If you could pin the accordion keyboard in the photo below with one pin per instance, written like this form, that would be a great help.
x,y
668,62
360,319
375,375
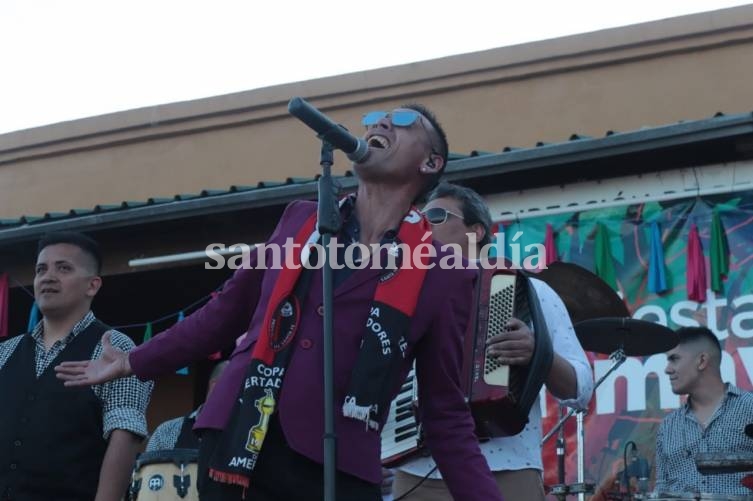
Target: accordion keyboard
x,y
501,308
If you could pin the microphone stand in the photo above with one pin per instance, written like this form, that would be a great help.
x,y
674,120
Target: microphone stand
x,y
332,136
561,453
328,224
560,490
618,357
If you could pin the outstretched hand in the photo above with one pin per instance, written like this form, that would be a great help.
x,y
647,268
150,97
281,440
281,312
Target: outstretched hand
x,y
112,364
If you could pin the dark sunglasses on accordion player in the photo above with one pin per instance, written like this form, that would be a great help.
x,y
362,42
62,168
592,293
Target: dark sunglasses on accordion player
x,y
439,215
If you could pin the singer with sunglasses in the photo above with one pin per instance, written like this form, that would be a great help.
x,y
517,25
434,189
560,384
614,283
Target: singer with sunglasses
x,y
460,218
262,425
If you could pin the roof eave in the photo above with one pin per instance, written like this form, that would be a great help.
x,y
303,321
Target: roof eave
x,y
572,152
581,150
167,211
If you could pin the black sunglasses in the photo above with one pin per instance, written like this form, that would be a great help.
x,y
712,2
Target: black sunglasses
x,y
438,215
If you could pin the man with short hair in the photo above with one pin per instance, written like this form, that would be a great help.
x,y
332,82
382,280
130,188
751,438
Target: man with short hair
x,y
269,446
178,433
66,444
712,419
461,219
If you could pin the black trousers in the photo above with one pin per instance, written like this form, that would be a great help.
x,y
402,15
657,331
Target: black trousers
x,y
281,474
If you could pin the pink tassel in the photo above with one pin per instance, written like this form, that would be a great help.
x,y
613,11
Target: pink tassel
x,y
4,293
696,274
549,247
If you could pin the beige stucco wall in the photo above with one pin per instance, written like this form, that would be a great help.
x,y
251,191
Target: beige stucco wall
x,y
621,79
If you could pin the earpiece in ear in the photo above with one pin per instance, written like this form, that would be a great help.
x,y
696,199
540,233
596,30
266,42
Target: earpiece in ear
x,y
430,163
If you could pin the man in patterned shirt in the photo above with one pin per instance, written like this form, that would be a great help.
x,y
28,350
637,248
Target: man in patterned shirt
x,y
712,419
56,442
178,433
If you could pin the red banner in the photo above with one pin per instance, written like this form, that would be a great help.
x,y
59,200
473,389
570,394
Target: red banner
x,y
4,305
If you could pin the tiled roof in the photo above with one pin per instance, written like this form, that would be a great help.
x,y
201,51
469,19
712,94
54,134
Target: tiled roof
x,y
150,202
461,166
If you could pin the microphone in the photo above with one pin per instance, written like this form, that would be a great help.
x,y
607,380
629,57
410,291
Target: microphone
x,y
638,469
644,472
627,471
338,136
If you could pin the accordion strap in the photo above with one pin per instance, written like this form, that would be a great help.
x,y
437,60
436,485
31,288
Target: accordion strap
x,y
543,353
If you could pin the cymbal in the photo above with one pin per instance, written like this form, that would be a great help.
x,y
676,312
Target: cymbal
x,y
585,295
634,337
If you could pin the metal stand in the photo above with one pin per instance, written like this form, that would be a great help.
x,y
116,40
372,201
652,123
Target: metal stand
x,y
328,225
581,457
580,488
561,489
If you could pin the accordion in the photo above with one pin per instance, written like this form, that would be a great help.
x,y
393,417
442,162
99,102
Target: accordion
x,y
500,396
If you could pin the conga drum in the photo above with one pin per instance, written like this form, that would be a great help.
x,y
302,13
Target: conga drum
x,y
166,475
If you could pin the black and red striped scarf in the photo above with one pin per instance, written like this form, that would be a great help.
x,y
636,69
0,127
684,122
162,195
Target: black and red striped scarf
x,y
377,365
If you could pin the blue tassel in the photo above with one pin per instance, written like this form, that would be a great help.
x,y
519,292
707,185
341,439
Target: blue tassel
x,y
657,277
33,317
184,370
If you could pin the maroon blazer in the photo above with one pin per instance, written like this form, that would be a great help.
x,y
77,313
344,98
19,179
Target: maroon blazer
x,y
435,341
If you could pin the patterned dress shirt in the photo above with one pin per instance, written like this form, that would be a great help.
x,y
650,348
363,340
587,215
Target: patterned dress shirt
x,y
124,400
681,437
166,435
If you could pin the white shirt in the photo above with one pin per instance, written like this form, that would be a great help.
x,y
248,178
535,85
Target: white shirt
x,y
523,450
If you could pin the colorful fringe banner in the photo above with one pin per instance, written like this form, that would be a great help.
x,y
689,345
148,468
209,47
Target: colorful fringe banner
x,y
4,292
604,263
696,274
33,317
184,370
549,246
718,253
657,276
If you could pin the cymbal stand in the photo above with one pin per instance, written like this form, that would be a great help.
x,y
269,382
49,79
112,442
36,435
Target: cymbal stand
x,y
560,489
618,357
581,488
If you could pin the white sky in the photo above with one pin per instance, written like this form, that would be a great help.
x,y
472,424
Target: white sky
x,y
67,59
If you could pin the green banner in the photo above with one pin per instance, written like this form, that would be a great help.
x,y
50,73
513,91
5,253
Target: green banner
x,y
666,273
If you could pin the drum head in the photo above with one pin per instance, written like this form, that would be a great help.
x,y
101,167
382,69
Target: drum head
x,y
175,456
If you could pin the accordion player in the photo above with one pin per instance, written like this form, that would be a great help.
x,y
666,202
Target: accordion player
x,y
500,396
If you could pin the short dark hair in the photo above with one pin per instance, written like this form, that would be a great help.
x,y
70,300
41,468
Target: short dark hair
x,y
440,135
87,244
693,334
474,209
